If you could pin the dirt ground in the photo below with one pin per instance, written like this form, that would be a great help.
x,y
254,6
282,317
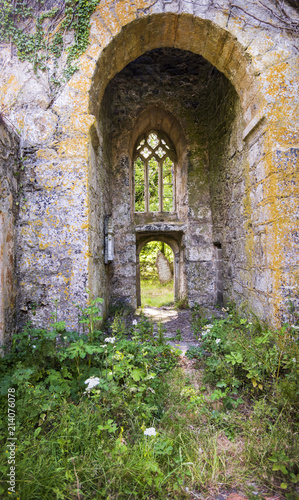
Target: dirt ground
x,y
176,321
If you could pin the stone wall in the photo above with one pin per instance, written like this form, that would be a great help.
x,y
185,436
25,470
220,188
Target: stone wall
x,y
208,109
69,163
9,172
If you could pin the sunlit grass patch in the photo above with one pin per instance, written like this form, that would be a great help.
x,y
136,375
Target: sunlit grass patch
x,y
154,294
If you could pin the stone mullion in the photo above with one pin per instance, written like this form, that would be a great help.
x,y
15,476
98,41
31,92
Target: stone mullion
x,y
174,169
146,187
160,163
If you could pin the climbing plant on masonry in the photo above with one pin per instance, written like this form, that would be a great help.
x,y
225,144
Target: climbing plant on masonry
x,y
50,39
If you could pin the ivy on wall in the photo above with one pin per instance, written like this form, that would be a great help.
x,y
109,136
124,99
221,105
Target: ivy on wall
x,y
51,39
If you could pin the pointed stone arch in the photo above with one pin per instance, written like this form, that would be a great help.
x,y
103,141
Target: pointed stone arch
x,y
157,118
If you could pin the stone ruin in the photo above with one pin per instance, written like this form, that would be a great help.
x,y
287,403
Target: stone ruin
x,y
163,268
219,85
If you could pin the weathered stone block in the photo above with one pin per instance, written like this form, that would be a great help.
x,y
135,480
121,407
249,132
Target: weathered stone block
x,y
163,268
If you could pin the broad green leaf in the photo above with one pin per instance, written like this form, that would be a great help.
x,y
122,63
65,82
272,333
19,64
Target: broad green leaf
x,y
136,374
37,431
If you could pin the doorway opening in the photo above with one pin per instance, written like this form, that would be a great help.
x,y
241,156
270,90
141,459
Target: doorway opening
x,y
156,274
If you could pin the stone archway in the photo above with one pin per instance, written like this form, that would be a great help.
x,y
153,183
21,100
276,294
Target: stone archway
x,y
131,42
262,69
252,79
217,45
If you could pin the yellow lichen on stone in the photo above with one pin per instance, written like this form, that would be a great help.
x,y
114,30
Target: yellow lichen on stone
x,y
9,91
80,82
109,19
87,65
76,147
125,11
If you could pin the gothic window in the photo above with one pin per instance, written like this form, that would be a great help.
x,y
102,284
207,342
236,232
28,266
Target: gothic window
x,y
154,173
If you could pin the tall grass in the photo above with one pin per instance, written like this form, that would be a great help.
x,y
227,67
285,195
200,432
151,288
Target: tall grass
x,y
211,433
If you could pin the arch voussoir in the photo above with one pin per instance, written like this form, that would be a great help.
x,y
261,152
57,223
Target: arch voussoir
x,y
185,32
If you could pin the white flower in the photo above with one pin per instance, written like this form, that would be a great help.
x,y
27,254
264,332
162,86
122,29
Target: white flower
x,y
208,327
295,326
294,360
151,431
92,382
217,341
134,322
34,346
200,450
110,339
65,338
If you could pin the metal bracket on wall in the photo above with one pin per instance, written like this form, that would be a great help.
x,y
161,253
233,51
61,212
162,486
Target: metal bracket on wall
x,y
108,239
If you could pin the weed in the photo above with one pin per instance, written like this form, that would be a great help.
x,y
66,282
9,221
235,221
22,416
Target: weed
x,y
106,415
182,303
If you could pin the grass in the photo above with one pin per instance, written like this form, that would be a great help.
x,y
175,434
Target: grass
x,y
196,450
154,294
223,450
215,428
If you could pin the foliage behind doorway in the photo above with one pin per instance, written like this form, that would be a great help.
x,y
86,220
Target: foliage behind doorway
x,y
153,293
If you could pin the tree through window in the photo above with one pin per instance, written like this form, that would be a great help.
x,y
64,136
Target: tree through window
x,y
154,173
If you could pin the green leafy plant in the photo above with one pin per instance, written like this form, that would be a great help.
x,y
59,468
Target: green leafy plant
x,y
113,417
45,42
91,316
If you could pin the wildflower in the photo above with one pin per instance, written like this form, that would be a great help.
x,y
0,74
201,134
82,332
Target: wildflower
x,y
110,339
294,360
34,346
295,326
217,341
92,382
151,431
134,322
65,338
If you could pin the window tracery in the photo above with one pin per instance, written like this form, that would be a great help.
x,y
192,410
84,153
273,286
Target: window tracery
x,y
154,173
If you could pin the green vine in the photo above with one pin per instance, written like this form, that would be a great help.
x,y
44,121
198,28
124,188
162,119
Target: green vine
x,y
51,40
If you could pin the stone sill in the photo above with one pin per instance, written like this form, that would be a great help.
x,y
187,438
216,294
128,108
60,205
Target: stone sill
x,y
160,227
153,217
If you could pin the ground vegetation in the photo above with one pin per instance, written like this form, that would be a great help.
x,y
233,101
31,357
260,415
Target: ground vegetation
x,y
119,414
